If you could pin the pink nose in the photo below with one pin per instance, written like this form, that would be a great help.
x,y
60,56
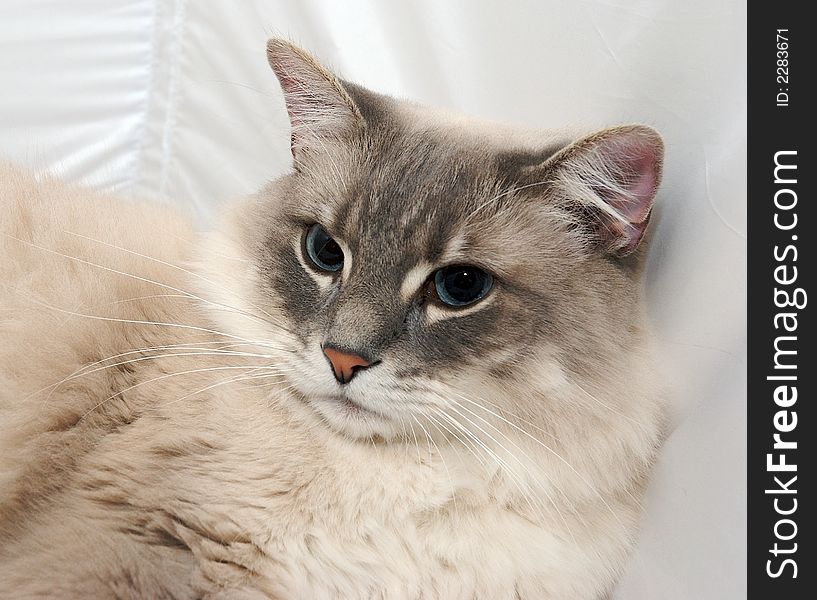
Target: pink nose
x,y
344,364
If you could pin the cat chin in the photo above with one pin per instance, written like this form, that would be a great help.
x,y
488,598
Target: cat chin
x,y
351,419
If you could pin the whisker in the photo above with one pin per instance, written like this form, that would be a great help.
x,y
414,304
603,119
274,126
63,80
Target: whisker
x,y
416,443
524,466
243,377
404,438
445,466
184,346
161,377
550,480
139,298
214,352
501,464
183,270
501,409
156,323
581,477
465,442
137,277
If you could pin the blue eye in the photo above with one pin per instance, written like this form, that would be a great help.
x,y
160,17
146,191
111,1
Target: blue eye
x,y
322,250
460,285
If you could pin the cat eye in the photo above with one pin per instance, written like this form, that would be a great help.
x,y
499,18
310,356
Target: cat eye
x,y
322,250
460,285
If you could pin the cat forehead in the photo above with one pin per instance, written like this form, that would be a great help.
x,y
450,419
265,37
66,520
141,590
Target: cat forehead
x,y
437,141
418,176
418,200
459,127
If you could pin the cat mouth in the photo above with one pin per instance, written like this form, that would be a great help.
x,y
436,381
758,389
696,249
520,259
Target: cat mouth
x,y
349,407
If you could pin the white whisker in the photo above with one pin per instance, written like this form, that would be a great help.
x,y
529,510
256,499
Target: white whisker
x,y
559,457
242,377
161,377
144,322
139,278
445,466
183,270
520,484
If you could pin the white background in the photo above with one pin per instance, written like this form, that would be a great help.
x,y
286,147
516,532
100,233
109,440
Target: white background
x,y
173,99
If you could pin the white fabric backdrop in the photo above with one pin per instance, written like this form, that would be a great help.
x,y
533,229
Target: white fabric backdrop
x,y
173,99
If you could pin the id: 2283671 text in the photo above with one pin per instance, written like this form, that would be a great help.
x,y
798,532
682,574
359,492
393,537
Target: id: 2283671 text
x,y
782,67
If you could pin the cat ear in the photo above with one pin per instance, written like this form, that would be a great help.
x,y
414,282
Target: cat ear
x,y
318,106
610,178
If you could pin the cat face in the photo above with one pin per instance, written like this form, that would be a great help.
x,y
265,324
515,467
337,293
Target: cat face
x,y
419,264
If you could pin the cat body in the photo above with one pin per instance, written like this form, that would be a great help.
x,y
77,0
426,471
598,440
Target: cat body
x,y
170,426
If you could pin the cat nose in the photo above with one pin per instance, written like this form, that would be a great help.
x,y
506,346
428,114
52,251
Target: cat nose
x,y
345,364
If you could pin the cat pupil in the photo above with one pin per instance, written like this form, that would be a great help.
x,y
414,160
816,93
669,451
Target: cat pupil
x,y
463,282
324,252
461,285
331,252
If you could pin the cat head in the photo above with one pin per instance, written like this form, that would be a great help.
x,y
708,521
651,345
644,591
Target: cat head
x,y
412,263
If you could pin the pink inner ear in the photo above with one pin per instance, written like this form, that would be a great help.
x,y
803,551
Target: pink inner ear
x,y
317,105
636,162
641,188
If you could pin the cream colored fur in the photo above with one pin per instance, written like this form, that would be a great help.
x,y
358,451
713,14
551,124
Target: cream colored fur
x,y
195,486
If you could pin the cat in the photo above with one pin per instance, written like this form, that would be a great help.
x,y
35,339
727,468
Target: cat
x,y
414,367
